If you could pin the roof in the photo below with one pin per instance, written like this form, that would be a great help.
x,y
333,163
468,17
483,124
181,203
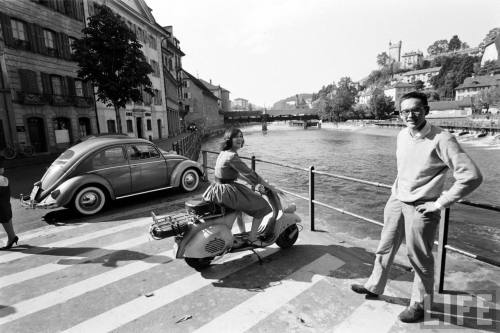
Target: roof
x,y
480,81
211,86
199,84
450,105
422,71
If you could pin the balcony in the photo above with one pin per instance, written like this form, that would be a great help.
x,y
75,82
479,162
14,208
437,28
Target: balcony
x,y
30,98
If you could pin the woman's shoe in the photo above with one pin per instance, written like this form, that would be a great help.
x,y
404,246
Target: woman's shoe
x,y
9,244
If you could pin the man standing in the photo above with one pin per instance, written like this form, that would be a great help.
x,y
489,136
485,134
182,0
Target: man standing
x,y
424,154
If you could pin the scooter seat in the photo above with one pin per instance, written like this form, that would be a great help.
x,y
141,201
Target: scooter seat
x,y
206,208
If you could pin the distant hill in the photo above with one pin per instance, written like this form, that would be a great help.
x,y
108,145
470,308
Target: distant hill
x,y
292,102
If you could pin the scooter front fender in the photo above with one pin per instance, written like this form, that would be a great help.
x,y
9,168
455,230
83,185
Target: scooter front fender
x,y
286,220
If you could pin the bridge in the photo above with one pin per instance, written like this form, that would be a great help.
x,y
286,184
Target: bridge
x,y
270,115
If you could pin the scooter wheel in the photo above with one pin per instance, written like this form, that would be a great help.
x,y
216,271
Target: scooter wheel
x,y
288,237
199,263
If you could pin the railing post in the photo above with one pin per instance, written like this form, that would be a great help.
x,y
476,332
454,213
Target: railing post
x,y
205,164
311,196
253,163
443,240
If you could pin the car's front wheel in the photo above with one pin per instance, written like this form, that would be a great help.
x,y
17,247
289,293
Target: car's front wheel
x,y
89,200
190,180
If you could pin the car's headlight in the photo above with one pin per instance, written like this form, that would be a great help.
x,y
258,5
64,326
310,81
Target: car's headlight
x,y
55,194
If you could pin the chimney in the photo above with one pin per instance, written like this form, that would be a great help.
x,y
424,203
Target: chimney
x,y
210,81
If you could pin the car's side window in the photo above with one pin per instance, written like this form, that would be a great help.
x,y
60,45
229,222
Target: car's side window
x,y
142,152
107,157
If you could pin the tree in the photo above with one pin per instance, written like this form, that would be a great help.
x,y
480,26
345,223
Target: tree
x,y
383,59
110,56
452,73
381,106
419,85
438,47
454,44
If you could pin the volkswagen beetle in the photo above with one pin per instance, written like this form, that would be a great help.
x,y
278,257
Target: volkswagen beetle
x,y
88,175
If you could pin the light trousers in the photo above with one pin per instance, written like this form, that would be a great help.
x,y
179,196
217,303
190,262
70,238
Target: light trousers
x,y
402,221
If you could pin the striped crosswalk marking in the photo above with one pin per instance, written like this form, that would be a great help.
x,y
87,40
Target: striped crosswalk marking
x,y
242,317
74,240
139,307
62,295
54,267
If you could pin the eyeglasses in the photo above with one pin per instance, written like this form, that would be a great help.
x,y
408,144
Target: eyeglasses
x,y
412,111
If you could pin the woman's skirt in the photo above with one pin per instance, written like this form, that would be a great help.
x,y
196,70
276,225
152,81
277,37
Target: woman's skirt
x,y
238,197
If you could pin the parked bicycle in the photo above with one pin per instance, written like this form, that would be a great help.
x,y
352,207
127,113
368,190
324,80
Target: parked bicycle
x,y
10,152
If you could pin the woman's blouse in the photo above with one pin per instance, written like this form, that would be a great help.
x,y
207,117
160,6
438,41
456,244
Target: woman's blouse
x,y
229,166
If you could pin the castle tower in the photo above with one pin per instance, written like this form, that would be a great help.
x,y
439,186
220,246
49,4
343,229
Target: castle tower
x,y
395,51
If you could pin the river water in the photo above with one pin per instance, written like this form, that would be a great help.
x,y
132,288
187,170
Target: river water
x,y
368,153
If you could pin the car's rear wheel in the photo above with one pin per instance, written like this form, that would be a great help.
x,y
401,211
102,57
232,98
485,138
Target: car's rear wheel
x,y
190,180
89,200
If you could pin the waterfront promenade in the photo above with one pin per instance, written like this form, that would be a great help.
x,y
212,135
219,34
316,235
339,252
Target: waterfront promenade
x,y
108,275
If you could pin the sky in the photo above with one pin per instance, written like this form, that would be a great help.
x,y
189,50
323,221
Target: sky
x,y
268,50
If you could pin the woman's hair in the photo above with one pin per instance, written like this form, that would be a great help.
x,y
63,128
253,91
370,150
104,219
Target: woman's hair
x,y
227,141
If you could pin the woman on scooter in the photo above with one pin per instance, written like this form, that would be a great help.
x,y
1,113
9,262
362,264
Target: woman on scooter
x,y
226,191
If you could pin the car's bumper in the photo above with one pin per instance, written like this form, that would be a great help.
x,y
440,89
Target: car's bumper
x,y
47,203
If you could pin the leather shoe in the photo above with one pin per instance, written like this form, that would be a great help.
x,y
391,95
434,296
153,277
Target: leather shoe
x,y
360,289
412,314
10,243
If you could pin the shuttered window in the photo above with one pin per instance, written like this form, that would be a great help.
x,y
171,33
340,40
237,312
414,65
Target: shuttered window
x,y
49,38
29,82
79,88
56,83
18,29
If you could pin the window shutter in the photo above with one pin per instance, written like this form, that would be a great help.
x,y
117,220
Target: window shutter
x,y
7,29
40,41
58,45
88,89
46,84
29,82
24,78
64,86
64,43
71,86
32,37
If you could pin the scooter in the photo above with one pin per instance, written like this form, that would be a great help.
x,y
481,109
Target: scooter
x,y
204,231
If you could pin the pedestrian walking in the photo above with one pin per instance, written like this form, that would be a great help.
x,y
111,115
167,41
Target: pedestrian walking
x,y
424,154
5,208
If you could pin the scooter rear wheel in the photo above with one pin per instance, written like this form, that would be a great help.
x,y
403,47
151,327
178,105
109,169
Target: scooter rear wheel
x,y
288,237
199,263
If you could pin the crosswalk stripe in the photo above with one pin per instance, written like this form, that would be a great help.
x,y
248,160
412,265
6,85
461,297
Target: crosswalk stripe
x,y
74,240
378,315
45,231
247,314
141,306
62,295
54,267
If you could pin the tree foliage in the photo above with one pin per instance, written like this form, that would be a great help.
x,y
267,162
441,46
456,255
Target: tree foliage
x,y
381,106
438,47
383,59
110,56
336,104
454,44
453,72
419,85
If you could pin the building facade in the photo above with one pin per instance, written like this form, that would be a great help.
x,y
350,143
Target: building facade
x,y
423,75
239,104
44,104
172,76
201,105
473,86
397,90
147,119
411,59
221,93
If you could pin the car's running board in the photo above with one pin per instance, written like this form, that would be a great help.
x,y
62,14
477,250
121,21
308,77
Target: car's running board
x,y
134,194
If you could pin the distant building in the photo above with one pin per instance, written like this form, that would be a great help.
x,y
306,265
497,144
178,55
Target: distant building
x,y
43,103
397,90
474,85
364,96
201,105
395,51
450,109
423,75
240,104
221,93
411,59
172,68
145,119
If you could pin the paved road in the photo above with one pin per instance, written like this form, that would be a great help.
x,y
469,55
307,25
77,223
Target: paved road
x,y
106,274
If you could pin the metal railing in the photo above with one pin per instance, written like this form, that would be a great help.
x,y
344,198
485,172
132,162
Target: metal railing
x,y
442,242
